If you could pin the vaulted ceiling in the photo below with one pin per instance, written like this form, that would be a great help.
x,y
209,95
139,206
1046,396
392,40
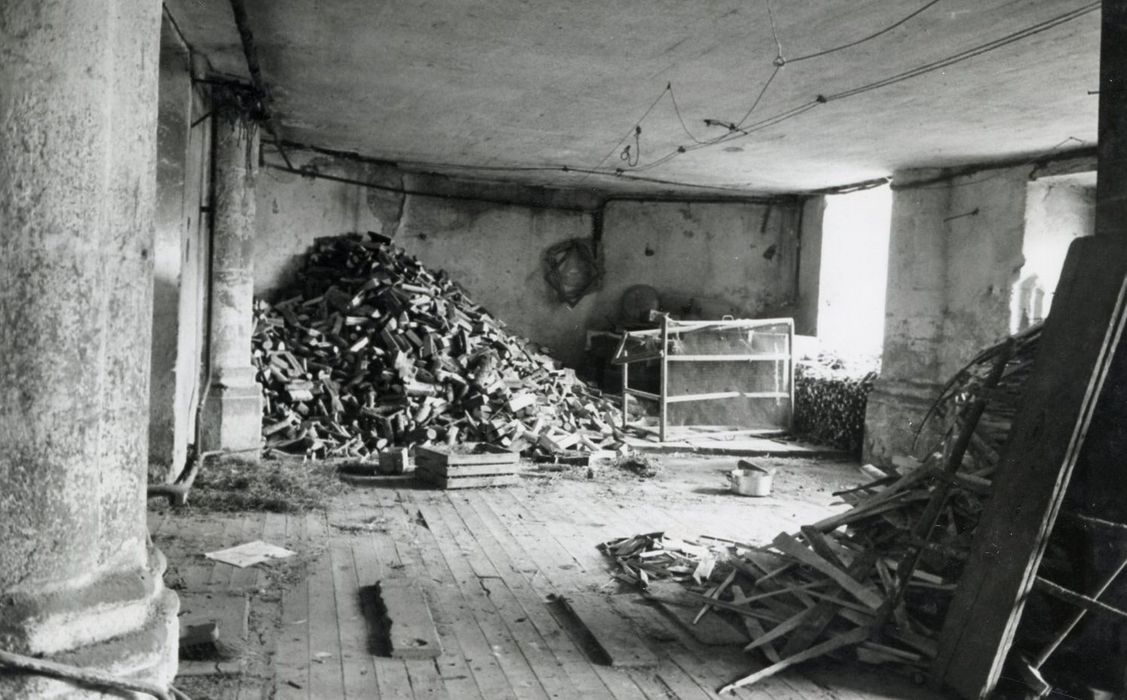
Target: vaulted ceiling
x,y
517,90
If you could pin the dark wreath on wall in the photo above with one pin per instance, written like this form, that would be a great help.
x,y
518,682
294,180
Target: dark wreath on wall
x,y
572,269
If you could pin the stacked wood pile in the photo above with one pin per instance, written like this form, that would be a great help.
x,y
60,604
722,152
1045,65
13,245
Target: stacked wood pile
x,y
829,404
877,578
373,350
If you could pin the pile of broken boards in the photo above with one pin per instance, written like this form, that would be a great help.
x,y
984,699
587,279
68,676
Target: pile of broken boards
x,y
373,350
877,578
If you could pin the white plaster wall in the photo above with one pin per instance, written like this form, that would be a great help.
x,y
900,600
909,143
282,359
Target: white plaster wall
x,y
1057,212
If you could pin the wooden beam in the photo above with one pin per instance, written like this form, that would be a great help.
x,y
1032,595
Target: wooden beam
x,y
1111,184
1080,339
1080,600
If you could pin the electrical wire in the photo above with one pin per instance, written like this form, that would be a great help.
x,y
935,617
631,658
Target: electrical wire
x,y
779,60
889,28
632,160
969,53
677,111
759,97
734,133
637,123
738,131
743,193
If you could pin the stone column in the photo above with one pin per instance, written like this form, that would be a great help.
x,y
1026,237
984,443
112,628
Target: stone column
x,y
233,412
79,581
915,302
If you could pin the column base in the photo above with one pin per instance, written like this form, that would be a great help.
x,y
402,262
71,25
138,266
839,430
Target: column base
x,y
893,414
122,624
232,417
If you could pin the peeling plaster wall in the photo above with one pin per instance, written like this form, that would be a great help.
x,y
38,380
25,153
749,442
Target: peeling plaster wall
x,y
725,258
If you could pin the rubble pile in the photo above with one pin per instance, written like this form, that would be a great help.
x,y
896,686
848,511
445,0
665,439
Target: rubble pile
x,y
373,350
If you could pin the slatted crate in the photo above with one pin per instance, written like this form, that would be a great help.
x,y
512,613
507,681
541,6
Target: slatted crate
x,y
470,465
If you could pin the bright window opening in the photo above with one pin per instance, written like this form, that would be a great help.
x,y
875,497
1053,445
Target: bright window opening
x,y
854,276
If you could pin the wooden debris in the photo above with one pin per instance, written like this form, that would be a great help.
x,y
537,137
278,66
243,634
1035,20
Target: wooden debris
x,y
372,350
877,578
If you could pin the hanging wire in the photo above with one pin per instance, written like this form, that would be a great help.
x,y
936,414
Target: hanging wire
x,y
969,53
626,156
637,123
677,111
740,131
759,97
779,60
862,40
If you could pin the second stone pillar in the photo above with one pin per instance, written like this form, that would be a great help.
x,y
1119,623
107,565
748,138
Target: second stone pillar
x,y
233,411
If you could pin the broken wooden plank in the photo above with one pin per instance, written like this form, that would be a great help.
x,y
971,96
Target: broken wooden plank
x,y
1080,600
826,610
842,640
792,547
755,629
614,635
412,633
710,630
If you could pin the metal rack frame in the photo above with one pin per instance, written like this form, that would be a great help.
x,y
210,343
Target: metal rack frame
x,y
670,327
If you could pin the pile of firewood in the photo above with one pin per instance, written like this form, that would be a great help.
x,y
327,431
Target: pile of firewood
x,y
877,578
373,350
829,404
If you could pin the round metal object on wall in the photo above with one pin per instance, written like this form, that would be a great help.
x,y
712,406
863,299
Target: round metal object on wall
x,y
637,303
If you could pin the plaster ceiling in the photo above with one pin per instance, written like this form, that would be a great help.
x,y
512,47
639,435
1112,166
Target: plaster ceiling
x,y
515,89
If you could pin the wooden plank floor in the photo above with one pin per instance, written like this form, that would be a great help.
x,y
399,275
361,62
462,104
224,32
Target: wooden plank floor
x,y
493,565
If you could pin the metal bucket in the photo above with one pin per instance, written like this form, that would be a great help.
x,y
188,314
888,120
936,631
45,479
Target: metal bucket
x,y
751,482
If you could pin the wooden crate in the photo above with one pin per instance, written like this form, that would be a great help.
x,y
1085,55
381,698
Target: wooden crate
x,y
470,465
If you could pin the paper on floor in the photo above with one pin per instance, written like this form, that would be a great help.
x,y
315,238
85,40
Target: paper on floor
x,y
249,554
